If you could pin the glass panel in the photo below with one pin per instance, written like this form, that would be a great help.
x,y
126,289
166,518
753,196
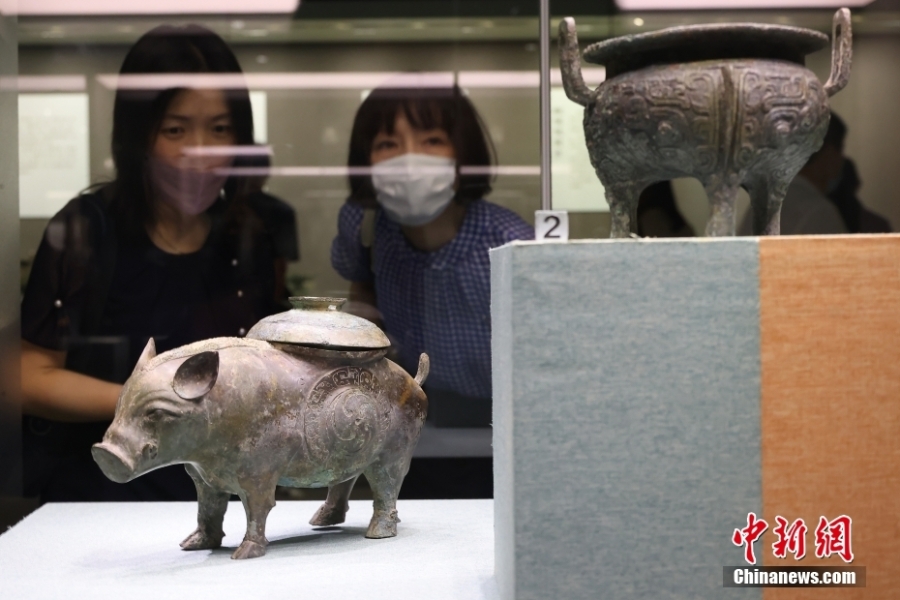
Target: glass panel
x,y
10,416
389,151
188,224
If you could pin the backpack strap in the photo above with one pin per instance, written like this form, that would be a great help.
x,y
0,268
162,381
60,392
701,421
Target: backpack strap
x,y
367,234
105,257
100,274
367,229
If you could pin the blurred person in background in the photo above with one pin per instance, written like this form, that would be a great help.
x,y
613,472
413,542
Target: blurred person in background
x,y
822,198
169,250
413,240
857,218
806,208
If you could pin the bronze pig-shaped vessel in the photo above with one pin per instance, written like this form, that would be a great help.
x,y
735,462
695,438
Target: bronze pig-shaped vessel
x,y
313,404
729,104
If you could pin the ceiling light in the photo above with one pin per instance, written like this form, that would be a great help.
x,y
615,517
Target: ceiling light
x,y
157,7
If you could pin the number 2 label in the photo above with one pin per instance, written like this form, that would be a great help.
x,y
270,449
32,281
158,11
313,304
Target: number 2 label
x,y
551,225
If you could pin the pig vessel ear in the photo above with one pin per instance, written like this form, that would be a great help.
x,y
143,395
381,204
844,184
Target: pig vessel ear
x,y
196,376
148,353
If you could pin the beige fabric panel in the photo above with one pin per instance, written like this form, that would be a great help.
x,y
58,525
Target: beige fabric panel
x,y
830,344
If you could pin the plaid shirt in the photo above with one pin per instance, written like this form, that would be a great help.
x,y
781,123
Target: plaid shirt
x,y
435,302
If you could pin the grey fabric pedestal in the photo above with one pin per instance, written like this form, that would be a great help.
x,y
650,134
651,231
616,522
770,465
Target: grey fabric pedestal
x,y
626,416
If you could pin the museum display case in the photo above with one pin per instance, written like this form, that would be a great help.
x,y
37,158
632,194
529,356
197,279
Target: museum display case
x,y
606,417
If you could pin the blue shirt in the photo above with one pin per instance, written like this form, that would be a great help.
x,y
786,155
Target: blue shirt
x,y
434,302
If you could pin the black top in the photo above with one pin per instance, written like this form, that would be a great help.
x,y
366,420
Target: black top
x,y
857,217
280,223
100,297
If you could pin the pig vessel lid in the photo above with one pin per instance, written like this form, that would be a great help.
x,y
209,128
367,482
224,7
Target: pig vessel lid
x,y
319,322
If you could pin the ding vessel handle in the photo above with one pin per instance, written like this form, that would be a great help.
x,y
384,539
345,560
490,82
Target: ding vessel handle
x,y
570,64
841,52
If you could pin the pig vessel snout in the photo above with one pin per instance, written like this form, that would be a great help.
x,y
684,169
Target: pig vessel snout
x,y
245,416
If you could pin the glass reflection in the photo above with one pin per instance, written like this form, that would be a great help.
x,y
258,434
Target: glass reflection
x,y
413,238
176,248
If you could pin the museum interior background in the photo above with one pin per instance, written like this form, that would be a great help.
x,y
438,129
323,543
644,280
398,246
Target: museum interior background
x,y
495,59
309,72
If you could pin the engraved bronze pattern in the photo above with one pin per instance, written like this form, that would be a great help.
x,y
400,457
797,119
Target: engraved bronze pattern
x,y
347,412
729,122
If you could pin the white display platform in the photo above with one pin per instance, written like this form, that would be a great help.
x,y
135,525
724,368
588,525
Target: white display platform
x,y
444,550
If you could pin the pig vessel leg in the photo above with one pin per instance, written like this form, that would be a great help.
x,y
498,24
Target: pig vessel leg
x,y
385,480
211,507
258,498
334,510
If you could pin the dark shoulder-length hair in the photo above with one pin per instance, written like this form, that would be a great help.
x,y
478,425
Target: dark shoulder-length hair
x,y
141,104
425,108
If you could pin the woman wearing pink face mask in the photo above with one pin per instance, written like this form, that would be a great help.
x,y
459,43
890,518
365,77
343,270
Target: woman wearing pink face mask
x,y
171,249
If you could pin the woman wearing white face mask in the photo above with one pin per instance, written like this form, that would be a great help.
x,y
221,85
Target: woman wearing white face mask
x,y
414,237
169,250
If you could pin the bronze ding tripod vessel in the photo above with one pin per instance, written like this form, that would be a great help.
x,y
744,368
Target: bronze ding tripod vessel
x,y
730,104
